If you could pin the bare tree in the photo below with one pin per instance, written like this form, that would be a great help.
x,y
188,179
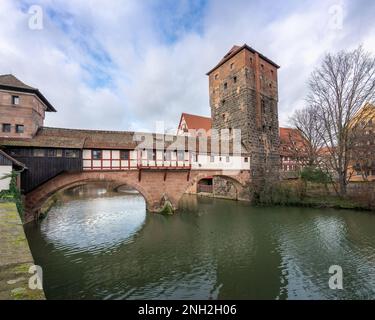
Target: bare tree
x,y
307,147
338,89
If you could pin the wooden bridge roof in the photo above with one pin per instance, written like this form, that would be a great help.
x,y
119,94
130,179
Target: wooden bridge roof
x,y
97,139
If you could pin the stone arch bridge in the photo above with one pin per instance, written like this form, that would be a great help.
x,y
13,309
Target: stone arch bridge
x,y
155,186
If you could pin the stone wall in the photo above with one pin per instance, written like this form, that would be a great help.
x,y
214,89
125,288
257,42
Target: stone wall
x,y
15,258
222,188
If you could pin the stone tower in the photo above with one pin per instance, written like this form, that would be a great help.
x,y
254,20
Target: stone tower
x,y
22,108
244,95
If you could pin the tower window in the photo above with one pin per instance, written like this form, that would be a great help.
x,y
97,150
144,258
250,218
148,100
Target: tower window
x,y
19,128
263,106
225,85
6,127
15,100
235,79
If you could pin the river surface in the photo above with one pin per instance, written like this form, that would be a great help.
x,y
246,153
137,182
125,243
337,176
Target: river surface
x,y
107,247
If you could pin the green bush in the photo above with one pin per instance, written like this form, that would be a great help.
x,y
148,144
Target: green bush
x,y
13,193
315,175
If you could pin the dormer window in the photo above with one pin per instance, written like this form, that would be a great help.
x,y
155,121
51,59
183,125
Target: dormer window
x,y
15,100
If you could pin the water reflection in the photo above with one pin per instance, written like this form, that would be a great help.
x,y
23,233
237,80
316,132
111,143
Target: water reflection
x,y
108,248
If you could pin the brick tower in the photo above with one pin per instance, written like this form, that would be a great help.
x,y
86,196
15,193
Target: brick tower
x,y
244,95
22,108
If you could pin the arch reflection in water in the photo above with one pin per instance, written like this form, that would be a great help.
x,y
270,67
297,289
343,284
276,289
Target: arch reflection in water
x,y
105,221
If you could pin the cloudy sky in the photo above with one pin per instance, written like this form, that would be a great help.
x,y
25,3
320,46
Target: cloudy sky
x,y
124,64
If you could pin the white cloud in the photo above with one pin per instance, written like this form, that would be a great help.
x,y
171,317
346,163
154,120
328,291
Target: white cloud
x,y
152,79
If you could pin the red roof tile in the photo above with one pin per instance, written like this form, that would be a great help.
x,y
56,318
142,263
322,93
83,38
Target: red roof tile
x,y
195,122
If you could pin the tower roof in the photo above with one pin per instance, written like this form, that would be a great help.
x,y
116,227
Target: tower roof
x,y
236,49
10,83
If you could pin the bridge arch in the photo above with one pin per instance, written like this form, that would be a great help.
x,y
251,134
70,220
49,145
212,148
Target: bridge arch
x,y
240,184
36,198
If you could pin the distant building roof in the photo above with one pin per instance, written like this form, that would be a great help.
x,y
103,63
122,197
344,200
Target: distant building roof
x,y
12,160
195,122
291,140
236,49
11,83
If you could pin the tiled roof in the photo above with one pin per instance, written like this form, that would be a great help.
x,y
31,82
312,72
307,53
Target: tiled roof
x,y
11,83
196,122
288,137
97,139
236,49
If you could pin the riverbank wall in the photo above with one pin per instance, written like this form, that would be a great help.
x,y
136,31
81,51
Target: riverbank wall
x,y
15,258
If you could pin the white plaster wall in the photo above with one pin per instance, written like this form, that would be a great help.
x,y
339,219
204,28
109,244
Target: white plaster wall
x,y
4,183
220,163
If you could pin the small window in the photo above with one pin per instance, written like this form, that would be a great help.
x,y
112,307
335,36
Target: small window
x,y
246,159
15,100
251,60
231,65
225,85
167,156
75,153
151,155
39,153
227,159
96,154
216,76
180,155
272,72
124,154
212,158
6,127
235,79
17,152
262,66
59,153
19,128
51,153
